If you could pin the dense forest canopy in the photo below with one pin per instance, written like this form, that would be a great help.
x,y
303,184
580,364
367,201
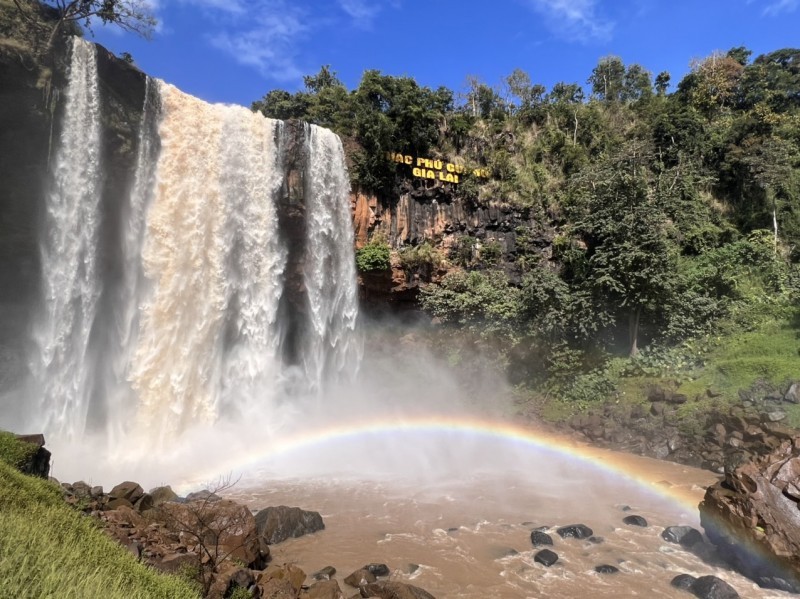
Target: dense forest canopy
x,y
673,211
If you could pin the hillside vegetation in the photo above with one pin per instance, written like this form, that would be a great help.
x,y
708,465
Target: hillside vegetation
x,y
48,549
670,214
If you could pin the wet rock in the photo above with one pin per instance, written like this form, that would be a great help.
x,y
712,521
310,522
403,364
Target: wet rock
x,y
539,538
394,590
685,536
683,581
276,524
377,569
129,490
360,577
711,587
325,573
575,531
756,505
411,568
546,557
635,521
606,569
325,589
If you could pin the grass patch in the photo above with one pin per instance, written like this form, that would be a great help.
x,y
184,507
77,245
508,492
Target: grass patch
x,y
13,451
49,550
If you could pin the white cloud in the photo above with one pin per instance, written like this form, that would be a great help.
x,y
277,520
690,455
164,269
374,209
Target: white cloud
x,y
361,11
780,6
576,20
268,43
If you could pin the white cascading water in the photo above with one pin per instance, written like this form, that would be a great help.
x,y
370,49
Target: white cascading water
x,y
196,328
70,283
330,272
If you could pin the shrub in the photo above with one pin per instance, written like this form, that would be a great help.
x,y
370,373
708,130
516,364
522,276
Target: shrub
x,y
374,256
420,259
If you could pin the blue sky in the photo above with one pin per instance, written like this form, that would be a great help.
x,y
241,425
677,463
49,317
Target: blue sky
x,y
237,50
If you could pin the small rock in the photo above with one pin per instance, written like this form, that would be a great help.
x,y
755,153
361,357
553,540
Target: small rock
x,y
575,531
546,557
324,589
539,538
635,521
325,574
377,569
411,568
776,415
606,569
685,536
683,581
711,587
793,394
359,578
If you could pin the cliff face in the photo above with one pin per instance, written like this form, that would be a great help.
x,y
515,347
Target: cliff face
x,y
438,217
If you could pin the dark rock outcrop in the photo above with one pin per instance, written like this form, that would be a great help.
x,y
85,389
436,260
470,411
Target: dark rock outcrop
x,y
546,557
606,569
685,536
683,581
539,538
276,524
753,517
711,587
38,463
575,531
635,521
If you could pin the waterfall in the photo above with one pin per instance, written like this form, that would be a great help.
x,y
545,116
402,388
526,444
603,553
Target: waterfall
x,y
63,367
330,272
195,325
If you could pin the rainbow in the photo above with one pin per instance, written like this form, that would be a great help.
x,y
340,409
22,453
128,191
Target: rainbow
x,y
642,472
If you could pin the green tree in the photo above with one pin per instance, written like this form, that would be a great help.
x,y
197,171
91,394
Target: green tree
x,y
131,15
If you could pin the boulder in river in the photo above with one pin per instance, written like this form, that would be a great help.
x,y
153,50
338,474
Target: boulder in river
x,y
752,517
546,557
276,524
575,531
685,536
711,587
683,581
635,521
606,569
539,538
394,590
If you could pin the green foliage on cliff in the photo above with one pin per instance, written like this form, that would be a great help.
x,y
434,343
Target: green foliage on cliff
x,y
672,214
49,550
374,256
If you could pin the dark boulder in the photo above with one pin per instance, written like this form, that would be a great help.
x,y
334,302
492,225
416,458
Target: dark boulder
x,y
635,521
129,491
163,494
240,579
606,569
276,524
546,557
539,538
575,531
756,507
711,587
685,536
377,569
683,581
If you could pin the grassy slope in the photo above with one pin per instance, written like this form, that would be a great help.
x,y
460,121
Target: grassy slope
x,y
47,549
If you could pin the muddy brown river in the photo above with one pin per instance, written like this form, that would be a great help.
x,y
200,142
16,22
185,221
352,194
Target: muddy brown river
x,y
451,508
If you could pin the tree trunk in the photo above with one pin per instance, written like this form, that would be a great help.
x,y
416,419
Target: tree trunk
x,y
775,226
633,331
